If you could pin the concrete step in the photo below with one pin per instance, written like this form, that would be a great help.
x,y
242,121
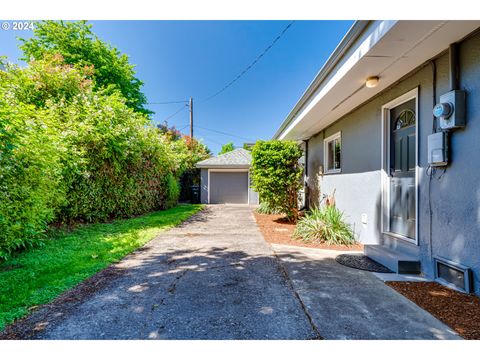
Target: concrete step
x,y
396,261
400,246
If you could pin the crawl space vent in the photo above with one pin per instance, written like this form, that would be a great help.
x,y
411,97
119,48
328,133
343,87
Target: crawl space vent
x,y
453,275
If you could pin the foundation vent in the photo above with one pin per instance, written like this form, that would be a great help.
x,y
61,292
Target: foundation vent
x,y
453,275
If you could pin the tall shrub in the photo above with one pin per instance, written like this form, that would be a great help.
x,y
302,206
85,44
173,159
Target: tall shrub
x,y
116,162
71,153
276,174
31,189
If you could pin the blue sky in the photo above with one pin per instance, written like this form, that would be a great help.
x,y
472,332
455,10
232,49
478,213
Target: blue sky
x,y
182,59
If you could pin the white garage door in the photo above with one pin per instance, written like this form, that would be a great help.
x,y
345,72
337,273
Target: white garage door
x,y
229,187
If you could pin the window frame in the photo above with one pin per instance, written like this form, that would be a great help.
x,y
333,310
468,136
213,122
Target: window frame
x,y
337,136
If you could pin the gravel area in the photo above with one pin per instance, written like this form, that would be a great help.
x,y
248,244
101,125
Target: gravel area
x,y
276,230
361,262
459,311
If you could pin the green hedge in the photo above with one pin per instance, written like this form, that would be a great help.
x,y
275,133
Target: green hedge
x,y
70,153
31,190
276,175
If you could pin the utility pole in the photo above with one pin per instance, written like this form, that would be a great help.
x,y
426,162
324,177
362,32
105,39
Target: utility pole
x,y
191,118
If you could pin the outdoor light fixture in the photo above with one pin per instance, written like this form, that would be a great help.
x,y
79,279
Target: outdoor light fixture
x,y
371,82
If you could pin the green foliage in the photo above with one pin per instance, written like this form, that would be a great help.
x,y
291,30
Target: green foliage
x,y
248,146
169,131
265,208
227,148
276,174
325,225
31,190
188,152
117,164
67,258
69,153
172,191
79,46
30,177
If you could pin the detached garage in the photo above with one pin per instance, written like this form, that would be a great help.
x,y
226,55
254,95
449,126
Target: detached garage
x,y
225,179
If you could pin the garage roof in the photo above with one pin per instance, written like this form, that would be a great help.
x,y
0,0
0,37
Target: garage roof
x,y
236,159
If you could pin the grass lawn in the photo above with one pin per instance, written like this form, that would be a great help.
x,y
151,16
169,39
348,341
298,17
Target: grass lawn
x,y
39,275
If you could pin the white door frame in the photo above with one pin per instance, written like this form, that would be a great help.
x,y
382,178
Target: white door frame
x,y
230,170
385,194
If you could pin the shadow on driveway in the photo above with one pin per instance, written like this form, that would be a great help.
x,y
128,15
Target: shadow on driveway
x,y
213,277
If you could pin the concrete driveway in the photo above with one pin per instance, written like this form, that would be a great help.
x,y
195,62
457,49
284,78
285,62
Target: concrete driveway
x,y
214,277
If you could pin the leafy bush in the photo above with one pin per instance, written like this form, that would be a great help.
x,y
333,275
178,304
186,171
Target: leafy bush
x,y
76,143
172,191
70,153
116,162
30,179
276,174
324,225
265,208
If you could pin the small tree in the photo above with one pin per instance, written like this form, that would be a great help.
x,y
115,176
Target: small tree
x,y
78,45
227,148
276,174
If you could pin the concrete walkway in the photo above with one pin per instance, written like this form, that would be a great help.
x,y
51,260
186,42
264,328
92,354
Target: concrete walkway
x,y
346,303
214,277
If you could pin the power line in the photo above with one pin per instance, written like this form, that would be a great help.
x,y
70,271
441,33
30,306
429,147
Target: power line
x,y
252,64
176,112
211,140
168,102
224,133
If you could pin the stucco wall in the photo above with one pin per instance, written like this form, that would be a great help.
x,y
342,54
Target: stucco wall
x,y
455,195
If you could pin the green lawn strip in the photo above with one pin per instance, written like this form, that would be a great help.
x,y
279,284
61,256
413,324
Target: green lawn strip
x,y
39,275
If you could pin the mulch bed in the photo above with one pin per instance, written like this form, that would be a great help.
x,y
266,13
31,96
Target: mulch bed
x,y
459,311
276,230
361,262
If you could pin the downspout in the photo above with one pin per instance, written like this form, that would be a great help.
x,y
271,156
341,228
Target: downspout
x,y
430,175
453,66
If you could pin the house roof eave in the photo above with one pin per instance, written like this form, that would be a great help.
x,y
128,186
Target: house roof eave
x,y
353,33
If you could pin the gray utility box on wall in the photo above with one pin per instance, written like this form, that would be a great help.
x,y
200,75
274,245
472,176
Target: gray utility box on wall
x,y
451,110
438,149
